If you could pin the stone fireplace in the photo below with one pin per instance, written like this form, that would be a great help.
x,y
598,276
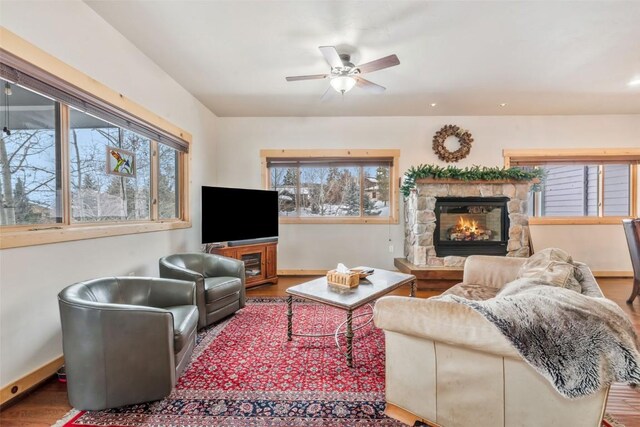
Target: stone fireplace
x,y
447,220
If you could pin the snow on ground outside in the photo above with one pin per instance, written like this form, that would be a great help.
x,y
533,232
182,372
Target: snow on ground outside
x,y
338,210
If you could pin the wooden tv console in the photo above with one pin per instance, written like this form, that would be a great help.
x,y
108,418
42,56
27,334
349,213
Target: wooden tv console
x,y
260,261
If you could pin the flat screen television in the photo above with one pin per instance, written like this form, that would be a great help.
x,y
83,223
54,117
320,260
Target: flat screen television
x,y
237,215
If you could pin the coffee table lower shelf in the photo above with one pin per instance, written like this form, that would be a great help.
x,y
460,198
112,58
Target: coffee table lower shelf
x,y
348,331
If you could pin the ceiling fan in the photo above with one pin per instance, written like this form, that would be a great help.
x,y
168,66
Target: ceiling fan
x,y
344,75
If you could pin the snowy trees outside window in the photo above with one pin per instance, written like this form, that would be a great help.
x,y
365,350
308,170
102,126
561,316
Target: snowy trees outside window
x,y
53,155
332,189
28,162
168,202
96,195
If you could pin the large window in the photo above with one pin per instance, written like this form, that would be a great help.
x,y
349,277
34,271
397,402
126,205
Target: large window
x,y
581,185
334,186
69,160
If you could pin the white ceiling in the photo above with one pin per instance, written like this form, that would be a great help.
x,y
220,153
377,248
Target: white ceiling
x,y
539,57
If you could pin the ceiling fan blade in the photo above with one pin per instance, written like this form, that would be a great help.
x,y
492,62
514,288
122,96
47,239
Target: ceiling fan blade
x,y
331,56
369,86
379,64
310,77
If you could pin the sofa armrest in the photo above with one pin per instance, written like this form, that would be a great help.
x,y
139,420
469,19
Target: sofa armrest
x,y
493,271
441,321
588,282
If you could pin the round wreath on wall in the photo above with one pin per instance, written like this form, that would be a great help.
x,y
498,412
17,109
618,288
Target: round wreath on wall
x,y
464,138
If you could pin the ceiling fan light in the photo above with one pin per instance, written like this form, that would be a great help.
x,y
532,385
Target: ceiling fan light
x,y
343,84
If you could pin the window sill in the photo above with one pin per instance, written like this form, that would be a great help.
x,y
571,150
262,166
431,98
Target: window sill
x,y
17,238
576,220
340,220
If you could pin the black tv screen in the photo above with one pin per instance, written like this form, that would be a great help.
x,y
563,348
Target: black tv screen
x,y
230,214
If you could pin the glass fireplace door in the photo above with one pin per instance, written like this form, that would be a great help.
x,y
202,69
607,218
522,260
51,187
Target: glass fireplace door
x,y
468,226
471,223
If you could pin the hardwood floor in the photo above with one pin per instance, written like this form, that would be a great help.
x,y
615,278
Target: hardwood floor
x,y
48,403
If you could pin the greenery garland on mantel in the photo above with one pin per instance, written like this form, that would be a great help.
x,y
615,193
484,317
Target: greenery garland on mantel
x,y
474,173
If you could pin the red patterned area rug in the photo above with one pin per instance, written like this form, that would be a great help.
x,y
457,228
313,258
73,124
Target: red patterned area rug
x,y
244,372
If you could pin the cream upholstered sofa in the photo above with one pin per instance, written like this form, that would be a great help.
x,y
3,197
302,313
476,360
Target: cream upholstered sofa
x,y
446,365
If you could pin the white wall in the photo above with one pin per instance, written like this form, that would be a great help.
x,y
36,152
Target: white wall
x,y
31,277
603,247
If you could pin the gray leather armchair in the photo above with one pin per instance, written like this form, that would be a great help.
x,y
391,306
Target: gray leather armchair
x,y
220,282
126,339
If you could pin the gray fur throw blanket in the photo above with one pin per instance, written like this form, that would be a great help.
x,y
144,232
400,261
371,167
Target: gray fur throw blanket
x,y
579,343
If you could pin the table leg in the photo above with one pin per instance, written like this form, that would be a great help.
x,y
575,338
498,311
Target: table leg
x,y
349,336
289,317
412,289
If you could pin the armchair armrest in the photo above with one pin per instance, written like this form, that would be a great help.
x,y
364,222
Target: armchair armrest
x,y
167,292
218,265
441,321
172,271
492,271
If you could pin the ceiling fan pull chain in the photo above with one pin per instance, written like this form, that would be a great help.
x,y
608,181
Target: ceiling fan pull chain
x,y
7,91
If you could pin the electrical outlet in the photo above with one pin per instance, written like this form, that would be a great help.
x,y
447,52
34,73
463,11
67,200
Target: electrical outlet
x,y
390,248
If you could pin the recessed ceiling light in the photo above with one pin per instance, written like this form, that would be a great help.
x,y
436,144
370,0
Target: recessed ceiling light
x,y
433,104
504,104
634,82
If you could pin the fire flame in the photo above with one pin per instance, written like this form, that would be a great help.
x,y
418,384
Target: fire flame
x,y
468,229
470,225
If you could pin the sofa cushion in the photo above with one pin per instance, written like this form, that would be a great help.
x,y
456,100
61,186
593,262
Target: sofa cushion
x,y
472,292
216,288
552,265
185,321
